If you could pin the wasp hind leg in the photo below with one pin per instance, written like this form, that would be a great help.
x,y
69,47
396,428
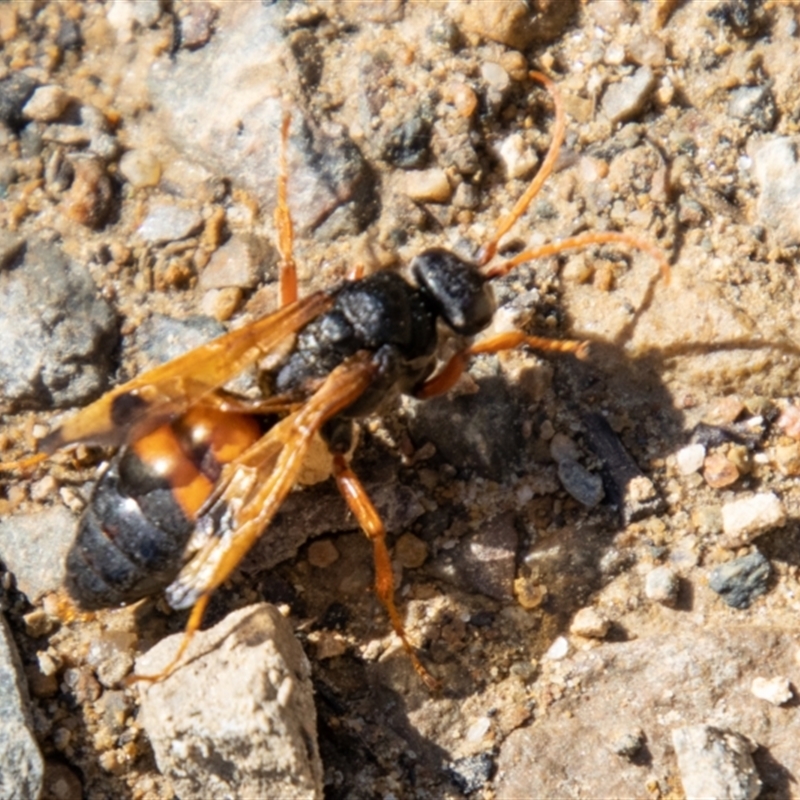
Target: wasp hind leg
x,y
368,518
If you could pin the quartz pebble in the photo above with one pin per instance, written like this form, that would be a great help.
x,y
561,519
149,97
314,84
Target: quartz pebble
x,y
745,519
661,586
690,458
427,186
774,690
46,104
628,98
590,624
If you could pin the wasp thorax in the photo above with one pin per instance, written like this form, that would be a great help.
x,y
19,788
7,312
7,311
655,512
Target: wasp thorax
x,y
459,293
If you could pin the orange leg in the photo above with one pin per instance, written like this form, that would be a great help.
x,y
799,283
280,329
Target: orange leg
x,y
283,223
193,625
354,493
445,379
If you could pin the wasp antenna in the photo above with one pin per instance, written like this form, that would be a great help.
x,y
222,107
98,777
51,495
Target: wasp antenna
x,y
581,241
490,248
283,220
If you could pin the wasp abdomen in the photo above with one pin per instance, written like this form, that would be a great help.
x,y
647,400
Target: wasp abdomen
x,y
132,537
120,553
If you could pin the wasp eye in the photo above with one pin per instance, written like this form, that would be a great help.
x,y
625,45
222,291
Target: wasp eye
x,y
460,294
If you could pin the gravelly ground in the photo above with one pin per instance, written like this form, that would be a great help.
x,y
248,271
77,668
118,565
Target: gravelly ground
x,y
683,119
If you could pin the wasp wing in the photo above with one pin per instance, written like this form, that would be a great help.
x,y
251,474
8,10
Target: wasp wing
x,y
164,392
252,488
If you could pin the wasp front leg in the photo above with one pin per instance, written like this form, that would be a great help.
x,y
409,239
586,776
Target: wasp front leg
x,y
371,523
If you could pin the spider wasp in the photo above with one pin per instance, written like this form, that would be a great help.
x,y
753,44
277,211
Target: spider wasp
x,y
196,480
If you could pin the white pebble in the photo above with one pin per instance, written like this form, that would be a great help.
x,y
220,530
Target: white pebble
x,y
774,690
558,649
427,185
743,520
590,624
517,158
661,586
690,458
46,104
140,168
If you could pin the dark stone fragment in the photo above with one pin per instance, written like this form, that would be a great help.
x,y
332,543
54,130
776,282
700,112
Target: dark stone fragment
x,y
740,581
407,145
69,35
471,773
15,91
622,478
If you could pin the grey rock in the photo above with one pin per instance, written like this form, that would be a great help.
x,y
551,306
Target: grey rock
x,y
584,486
628,98
471,773
688,676
777,173
715,763
481,431
486,560
661,586
254,736
15,91
238,133
56,334
755,105
241,262
166,222
160,338
21,763
740,581
34,548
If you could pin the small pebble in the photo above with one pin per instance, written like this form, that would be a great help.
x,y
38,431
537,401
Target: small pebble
x,y
237,263
590,624
584,486
46,104
627,99
410,551
745,519
166,222
789,421
741,581
690,458
774,690
628,744
427,185
661,586
725,411
197,25
322,553
787,458
562,448
517,158
495,76
719,472
89,198
558,650
140,168
221,303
